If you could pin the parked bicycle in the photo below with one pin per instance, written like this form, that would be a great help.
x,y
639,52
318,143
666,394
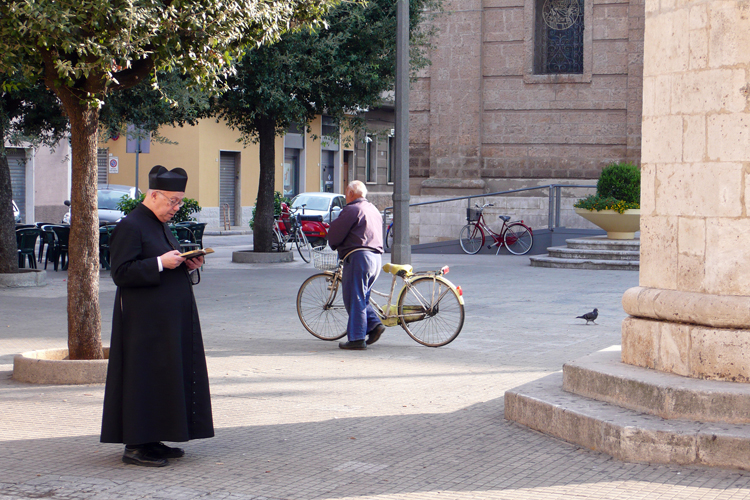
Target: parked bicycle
x,y
516,236
288,232
427,306
388,240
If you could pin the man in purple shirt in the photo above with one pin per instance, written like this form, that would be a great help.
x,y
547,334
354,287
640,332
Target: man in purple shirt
x,y
357,235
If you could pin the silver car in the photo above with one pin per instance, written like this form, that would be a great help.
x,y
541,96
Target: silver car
x,y
108,196
328,205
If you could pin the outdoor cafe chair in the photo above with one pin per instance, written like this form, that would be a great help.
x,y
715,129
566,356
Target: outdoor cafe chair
x,y
186,238
63,235
26,241
197,229
49,239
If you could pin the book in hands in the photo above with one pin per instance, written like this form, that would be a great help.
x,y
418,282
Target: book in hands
x,y
196,253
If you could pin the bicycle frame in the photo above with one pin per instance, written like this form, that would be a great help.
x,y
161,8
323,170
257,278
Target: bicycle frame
x,y
498,237
389,312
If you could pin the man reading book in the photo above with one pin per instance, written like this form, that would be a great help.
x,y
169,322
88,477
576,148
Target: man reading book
x,y
157,381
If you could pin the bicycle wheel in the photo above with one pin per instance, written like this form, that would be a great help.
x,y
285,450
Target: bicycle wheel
x,y
471,238
320,307
277,244
430,311
389,237
303,246
518,238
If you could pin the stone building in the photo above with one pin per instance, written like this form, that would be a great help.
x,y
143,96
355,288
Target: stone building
x,y
523,93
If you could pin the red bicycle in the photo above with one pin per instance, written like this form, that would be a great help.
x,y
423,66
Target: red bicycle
x,y
516,236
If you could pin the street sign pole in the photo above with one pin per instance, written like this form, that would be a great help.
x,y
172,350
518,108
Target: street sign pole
x,y
401,252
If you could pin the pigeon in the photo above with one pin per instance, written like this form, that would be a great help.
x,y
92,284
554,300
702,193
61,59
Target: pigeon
x,y
590,316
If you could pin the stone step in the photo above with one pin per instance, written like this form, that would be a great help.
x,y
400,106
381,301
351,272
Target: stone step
x,y
596,254
602,243
602,376
597,264
625,434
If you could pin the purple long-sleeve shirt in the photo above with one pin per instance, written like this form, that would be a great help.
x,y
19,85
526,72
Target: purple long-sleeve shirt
x,y
359,225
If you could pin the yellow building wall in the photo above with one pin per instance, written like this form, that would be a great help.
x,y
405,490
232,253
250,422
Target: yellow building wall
x,y
197,149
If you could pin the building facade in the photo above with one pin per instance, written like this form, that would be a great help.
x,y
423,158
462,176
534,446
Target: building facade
x,y
524,93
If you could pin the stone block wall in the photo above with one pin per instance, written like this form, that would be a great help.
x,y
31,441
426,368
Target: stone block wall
x,y
694,203
479,112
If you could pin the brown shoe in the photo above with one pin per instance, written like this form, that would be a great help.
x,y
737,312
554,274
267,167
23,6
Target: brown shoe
x,y
374,334
143,456
161,450
356,345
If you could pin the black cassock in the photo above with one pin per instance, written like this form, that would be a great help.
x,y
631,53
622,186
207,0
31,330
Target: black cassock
x,y
157,381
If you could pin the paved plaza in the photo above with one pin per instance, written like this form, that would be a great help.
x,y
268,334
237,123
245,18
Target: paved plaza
x,y
298,418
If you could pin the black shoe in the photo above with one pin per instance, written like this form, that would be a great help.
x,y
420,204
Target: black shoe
x,y
143,456
161,450
356,345
374,334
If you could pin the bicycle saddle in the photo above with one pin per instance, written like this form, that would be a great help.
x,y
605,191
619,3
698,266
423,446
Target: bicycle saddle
x,y
505,218
397,268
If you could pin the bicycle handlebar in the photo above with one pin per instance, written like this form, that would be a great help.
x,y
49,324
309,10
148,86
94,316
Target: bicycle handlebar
x,y
484,206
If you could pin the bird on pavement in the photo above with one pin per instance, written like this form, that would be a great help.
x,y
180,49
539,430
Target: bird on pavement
x,y
590,316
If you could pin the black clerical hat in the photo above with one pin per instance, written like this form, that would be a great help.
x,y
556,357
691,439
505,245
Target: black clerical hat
x,y
167,180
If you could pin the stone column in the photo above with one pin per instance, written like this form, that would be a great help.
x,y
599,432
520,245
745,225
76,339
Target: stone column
x,y
691,313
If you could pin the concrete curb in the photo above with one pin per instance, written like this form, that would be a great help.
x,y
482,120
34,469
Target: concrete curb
x,y
24,278
52,366
251,257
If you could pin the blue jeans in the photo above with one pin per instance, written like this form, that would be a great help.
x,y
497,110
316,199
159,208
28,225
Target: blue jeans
x,y
361,269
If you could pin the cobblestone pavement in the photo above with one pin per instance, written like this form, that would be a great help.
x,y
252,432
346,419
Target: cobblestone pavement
x,y
298,418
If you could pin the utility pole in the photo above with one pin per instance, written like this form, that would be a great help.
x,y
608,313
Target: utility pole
x,y
401,252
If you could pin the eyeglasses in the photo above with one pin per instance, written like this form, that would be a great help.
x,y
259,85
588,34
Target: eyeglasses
x,y
175,202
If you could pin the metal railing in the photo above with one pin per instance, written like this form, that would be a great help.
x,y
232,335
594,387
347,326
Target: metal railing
x,y
553,217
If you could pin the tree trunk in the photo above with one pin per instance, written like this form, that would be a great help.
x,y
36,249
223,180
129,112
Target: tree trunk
x,y
8,247
263,222
84,316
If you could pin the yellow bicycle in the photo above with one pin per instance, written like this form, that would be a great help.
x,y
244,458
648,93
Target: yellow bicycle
x,y
427,306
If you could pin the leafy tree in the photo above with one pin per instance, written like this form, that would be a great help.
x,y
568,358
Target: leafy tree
x,y
338,68
85,49
30,114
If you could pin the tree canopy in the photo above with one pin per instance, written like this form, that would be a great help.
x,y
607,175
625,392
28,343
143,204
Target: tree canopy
x,y
335,68
84,49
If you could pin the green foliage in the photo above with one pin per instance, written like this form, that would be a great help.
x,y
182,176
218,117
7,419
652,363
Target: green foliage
x,y
111,43
184,214
344,66
278,199
595,202
618,189
621,181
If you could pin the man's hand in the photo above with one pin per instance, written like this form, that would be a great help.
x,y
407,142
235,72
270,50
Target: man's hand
x,y
171,260
194,263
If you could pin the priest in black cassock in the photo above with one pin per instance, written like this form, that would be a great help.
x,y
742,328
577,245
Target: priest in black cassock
x,y
157,381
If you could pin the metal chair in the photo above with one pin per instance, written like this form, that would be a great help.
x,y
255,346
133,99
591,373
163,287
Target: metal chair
x,y
26,241
186,238
63,235
49,239
105,233
197,228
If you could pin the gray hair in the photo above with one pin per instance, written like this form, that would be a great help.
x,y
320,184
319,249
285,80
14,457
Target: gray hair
x,y
357,187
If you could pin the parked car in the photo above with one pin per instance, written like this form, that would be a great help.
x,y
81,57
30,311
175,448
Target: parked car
x,y
328,205
16,212
108,196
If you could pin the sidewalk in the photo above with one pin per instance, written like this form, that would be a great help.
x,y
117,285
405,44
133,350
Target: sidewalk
x,y
298,418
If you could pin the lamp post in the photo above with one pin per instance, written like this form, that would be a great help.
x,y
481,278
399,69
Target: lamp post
x,y
401,252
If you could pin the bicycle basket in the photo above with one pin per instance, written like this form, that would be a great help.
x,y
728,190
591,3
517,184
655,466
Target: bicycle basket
x,y
324,259
472,214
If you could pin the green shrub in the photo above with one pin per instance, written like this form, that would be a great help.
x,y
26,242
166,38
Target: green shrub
x,y
278,199
621,181
184,214
618,188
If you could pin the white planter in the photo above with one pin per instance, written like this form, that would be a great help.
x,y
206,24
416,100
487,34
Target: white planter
x,y
619,226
